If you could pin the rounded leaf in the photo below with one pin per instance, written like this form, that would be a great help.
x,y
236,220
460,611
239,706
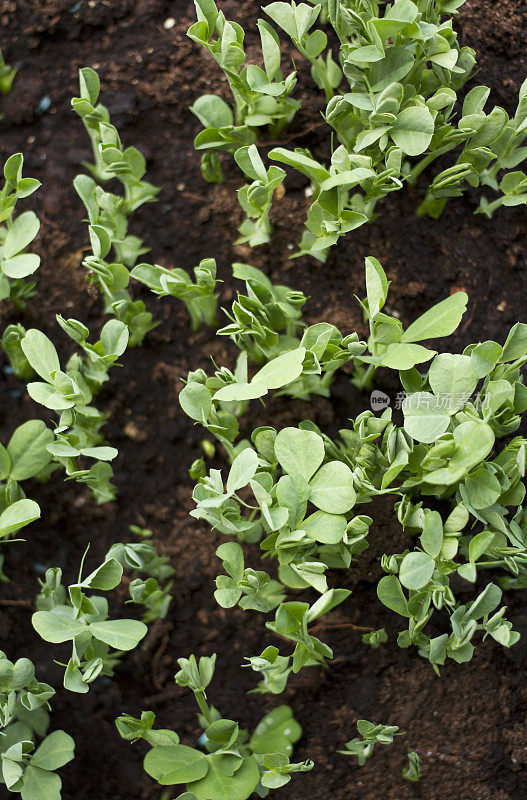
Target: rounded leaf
x,y
18,515
325,528
178,763
416,570
332,488
299,452
413,130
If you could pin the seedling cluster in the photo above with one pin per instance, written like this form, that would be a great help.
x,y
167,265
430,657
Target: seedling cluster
x,y
452,461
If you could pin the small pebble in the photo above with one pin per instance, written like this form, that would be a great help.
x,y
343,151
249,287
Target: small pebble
x,y
169,23
44,104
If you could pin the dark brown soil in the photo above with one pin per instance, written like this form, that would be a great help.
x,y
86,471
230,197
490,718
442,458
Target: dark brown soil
x,y
467,726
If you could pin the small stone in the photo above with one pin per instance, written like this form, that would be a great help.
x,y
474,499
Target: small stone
x,y
133,432
169,23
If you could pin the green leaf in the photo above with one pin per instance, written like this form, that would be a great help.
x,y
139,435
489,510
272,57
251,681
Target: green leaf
x,y
365,55
90,85
299,452
101,452
376,286
303,163
474,441
17,515
479,545
276,373
217,784
395,65
483,488
516,343
281,370
240,391
232,555
20,266
55,751
21,233
425,418
452,376
123,634
178,763
432,536
41,354
270,48
105,577
325,528
276,732
249,160
413,130
48,397
405,356
242,470
485,602
40,784
284,16
390,593
484,358
440,320
196,401
212,111
73,679
416,570
332,488
114,337
316,42
56,626
5,463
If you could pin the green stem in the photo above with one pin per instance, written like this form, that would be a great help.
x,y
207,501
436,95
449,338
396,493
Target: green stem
x,y
425,162
203,706
365,383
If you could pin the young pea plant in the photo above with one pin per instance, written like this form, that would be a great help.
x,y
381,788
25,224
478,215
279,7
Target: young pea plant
x,y
262,102
307,367
297,20
97,642
274,668
389,345
69,393
12,346
7,76
265,318
25,456
404,66
146,590
16,234
291,622
198,297
109,213
481,145
230,762
111,159
256,198
29,755
262,99
298,491
510,152
375,638
371,734
412,772
108,217
246,587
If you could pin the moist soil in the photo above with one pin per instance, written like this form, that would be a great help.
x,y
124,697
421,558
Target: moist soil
x,y
468,726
